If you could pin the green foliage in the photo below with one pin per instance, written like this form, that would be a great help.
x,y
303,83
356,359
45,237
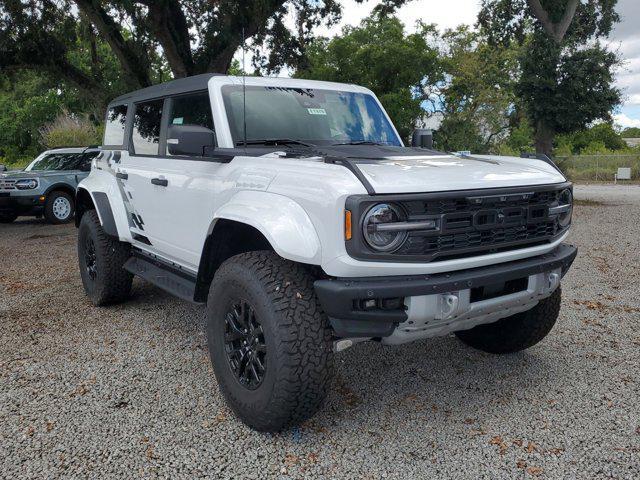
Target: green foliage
x,y
631,132
149,38
599,166
572,90
70,131
399,68
600,138
31,98
566,79
27,101
477,97
521,138
456,133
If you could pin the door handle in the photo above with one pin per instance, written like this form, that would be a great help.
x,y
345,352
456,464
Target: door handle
x,y
122,176
162,182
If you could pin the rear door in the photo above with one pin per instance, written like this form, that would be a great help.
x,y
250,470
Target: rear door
x,y
173,196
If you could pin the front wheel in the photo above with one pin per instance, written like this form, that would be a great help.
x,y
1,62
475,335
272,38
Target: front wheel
x,y
59,208
269,341
517,332
101,259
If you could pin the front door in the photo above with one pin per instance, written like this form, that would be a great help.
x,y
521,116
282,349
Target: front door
x,y
172,196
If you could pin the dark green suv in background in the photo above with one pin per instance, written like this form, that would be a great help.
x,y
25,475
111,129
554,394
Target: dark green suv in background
x,y
47,186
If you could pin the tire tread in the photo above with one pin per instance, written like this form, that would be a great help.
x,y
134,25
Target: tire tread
x,y
114,282
303,341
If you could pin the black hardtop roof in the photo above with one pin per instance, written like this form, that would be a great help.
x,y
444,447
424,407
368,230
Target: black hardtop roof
x,y
173,87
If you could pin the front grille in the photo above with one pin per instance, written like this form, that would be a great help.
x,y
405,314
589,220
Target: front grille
x,y
469,223
6,184
490,223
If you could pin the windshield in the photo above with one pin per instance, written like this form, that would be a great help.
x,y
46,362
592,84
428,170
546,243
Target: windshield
x,y
319,117
56,161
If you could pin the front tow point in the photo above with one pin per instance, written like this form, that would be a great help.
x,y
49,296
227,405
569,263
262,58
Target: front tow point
x,y
447,305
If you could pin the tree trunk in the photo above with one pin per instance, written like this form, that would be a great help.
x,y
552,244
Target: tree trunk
x,y
544,138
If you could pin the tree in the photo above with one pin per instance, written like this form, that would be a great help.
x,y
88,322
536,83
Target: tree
x,y
477,98
566,74
193,36
601,136
400,69
30,98
631,132
26,103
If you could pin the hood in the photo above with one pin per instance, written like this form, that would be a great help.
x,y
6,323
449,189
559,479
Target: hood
x,y
433,173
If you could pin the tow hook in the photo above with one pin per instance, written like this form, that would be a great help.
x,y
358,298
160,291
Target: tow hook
x,y
448,305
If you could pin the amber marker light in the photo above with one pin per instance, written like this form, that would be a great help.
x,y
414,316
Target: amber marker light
x,y
347,225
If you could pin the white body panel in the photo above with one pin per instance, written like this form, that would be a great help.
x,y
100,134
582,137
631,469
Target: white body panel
x,y
447,173
297,203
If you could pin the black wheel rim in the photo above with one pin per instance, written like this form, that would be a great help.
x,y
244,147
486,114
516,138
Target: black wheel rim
x,y
90,258
244,345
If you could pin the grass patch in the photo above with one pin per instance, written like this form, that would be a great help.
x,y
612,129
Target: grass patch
x,y
598,168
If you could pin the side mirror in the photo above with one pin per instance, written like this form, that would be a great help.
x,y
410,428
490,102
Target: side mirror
x,y
3,168
189,139
422,137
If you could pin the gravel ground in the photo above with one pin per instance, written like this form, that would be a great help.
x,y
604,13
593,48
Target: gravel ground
x,y
128,390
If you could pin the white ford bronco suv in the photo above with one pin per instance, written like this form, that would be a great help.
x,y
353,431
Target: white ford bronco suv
x,y
293,211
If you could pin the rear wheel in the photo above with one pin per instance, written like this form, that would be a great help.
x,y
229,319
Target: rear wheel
x,y
59,207
517,332
7,217
269,341
101,259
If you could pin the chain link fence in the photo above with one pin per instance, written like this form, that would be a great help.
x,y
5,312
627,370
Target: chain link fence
x,y
598,168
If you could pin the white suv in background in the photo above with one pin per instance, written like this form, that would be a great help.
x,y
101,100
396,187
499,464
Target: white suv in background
x,y
292,209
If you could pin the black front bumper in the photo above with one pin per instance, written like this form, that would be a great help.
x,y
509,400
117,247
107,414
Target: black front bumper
x,y
340,296
21,205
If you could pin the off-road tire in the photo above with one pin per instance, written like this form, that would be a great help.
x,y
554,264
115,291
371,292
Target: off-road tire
x,y
112,283
48,208
517,332
297,337
7,217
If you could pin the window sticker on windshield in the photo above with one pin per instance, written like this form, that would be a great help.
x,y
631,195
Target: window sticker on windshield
x,y
178,120
316,111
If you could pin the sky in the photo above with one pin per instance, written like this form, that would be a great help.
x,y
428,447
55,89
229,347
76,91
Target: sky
x,y
450,13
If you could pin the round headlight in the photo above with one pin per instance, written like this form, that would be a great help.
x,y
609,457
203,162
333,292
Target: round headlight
x,y
380,239
26,184
565,199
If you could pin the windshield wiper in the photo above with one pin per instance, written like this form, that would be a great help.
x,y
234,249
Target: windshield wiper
x,y
274,141
359,142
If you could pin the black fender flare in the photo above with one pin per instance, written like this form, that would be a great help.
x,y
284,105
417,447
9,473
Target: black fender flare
x,y
101,203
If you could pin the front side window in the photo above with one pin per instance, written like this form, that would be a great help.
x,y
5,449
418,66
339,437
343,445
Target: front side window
x,y
192,110
115,125
56,161
320,117
146,127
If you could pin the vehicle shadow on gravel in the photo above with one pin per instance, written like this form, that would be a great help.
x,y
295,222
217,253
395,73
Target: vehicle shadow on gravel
x,y
435,377
435,380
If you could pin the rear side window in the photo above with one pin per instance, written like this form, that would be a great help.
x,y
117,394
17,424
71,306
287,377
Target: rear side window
x,y
192,110
115,125
146,127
